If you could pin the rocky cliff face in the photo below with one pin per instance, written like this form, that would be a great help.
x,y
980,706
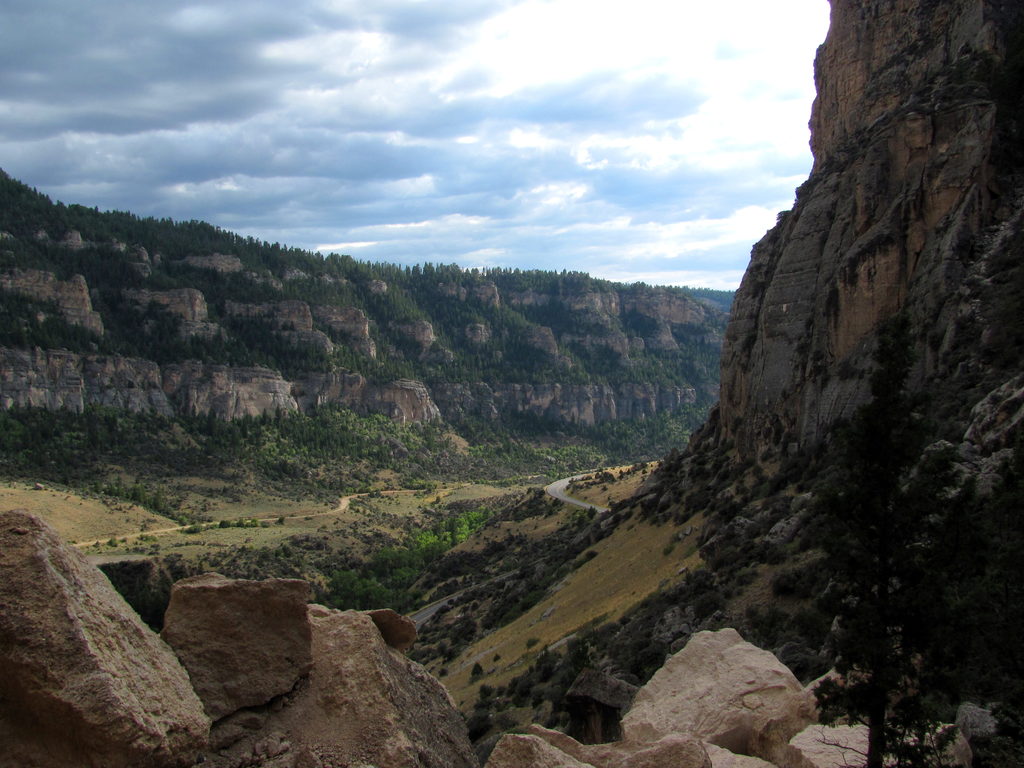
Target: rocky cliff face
x,y
562,346
350,322
55,380
187,304
70,296
586,404
902,211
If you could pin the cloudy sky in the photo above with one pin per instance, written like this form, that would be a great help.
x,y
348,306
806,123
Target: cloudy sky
x,y
648,140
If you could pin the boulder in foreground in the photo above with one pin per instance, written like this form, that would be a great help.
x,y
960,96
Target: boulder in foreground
x,y
363,703
725,691
243,642
85,682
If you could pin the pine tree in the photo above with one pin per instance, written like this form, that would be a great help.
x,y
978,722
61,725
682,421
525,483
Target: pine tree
x,y
884,518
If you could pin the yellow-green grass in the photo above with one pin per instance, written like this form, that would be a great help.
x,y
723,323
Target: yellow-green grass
x,y
591,489
276,520
81,518
632,563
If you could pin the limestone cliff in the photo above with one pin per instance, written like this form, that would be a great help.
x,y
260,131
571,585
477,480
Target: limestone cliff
x,y
186,304
194,320
70,296
903,210
586,404
56,379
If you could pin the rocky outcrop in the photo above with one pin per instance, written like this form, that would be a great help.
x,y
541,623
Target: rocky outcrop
x,y
541,338
586,404
291,320
263,278
350,322
84,681
486,292
616,341
664,307
216,262
227,392
997,418
720,702
403,400
725,691
398,631
595,702
56,380
541,746
478,334
281,315
363,703
65,380
893,217
242,642
187,304
419,331
70,296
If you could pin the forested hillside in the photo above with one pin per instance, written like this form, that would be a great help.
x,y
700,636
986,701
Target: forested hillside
x,y
486,325
165,323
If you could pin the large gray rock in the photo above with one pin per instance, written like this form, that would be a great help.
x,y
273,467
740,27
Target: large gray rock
x,y
670,751
725,691
242,642
821,746
84,681
517,750
364,703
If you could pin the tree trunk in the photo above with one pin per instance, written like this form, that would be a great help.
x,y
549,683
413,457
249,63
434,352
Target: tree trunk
x,y
876,731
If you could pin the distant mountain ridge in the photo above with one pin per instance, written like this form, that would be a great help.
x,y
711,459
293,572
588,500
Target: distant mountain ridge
x,y
184,318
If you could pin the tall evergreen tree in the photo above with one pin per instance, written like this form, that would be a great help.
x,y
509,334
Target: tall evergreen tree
x,y
884,518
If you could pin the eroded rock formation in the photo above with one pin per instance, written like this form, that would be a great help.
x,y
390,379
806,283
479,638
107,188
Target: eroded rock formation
x,y
351,323
84,681
187,304
365,703
56,380
70,296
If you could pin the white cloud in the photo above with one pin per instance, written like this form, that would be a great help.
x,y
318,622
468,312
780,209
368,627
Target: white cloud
x,y
547,133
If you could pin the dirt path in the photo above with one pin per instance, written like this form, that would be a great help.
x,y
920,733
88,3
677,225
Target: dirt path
x,y
343,504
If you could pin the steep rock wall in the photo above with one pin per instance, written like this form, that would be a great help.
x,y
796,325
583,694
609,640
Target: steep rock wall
x,y
70,296
56,379
902,190
586,404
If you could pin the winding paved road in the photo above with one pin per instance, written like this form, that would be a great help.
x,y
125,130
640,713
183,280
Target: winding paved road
x,y
558,490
